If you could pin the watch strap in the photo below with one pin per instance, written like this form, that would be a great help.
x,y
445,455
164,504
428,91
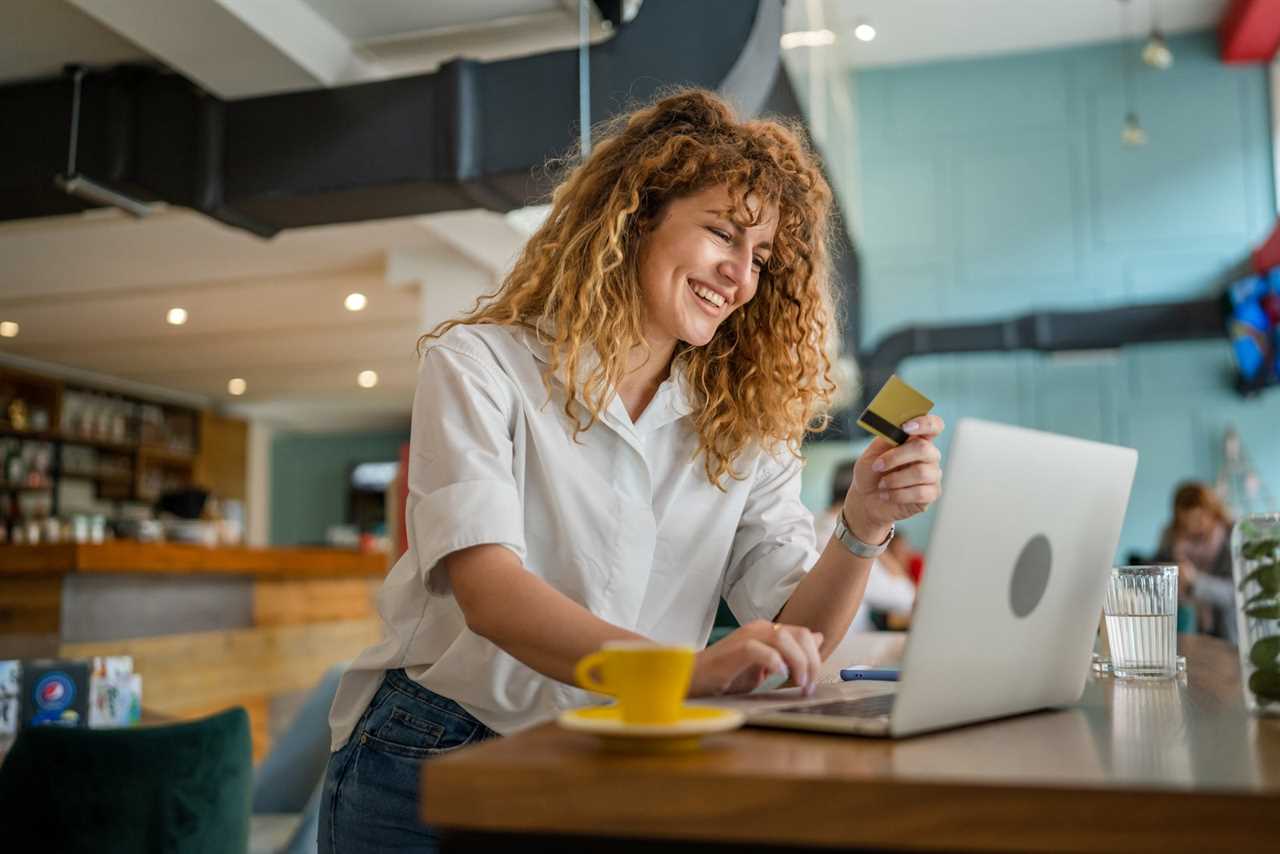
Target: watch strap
x,y
857,546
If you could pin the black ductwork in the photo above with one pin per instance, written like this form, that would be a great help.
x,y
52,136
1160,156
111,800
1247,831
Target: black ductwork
x,y
1044,331
470,135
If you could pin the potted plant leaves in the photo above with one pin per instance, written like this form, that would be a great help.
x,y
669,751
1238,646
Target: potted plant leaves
x,y
1255,553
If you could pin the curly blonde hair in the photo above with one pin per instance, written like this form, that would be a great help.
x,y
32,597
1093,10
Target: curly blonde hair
x,y
765,376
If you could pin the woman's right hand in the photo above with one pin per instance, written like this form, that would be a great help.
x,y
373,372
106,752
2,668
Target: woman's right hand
x,y
742,661
1187,576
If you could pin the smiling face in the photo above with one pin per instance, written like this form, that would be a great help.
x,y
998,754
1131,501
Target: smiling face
x,y
697,267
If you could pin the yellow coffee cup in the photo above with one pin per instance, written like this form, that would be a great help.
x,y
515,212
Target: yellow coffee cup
x,y
649,680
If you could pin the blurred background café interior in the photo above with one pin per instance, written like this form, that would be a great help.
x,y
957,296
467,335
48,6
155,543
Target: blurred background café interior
x,y
223,226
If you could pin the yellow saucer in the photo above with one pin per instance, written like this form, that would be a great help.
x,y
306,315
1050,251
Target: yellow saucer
x,y
694,722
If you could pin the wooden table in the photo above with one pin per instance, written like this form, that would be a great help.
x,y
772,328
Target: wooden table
x,y
1169,766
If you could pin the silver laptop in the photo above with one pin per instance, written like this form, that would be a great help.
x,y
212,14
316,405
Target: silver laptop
x,y
1009,604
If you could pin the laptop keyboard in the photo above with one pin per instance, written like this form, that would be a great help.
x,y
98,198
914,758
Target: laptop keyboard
x,y
863,707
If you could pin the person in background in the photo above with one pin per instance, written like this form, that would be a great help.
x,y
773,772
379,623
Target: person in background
x,y
1198,540
911,560
890,588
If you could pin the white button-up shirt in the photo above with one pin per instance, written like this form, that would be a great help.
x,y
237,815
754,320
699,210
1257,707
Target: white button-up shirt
x,y
624,522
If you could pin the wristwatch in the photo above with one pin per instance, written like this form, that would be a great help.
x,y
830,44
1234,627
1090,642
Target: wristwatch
x,y
857,546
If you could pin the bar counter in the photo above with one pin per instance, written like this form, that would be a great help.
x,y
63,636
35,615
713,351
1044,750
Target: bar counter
x,y
180,558
207,627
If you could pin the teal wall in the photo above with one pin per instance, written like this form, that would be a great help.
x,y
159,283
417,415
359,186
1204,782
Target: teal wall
x,y
998,186
309,473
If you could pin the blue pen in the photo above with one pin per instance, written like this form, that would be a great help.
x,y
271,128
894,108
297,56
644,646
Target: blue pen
x,y
881,674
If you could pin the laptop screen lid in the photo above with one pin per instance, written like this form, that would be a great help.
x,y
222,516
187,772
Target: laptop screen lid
x,y
1018,562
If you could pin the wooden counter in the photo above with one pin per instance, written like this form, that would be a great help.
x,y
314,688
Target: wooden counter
x,y
180,558
207,627
1136,766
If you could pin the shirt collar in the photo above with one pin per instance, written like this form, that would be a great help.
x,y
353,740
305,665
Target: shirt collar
x,y
673,400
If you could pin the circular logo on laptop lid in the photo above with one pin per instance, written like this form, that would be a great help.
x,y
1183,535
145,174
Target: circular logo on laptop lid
x,y
1030,575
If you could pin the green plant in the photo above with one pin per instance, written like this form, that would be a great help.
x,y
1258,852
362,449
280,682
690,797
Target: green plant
x,y
1266,683
1265,652
1267,575
1264,604
1256,549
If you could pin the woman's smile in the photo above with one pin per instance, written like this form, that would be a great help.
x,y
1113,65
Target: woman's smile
x,y
708,299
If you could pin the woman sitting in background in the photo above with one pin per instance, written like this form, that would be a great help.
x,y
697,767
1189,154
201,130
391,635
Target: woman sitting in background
x,y
890,588
1198,540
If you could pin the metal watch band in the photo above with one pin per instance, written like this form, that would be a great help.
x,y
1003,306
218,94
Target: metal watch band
x,y
857,546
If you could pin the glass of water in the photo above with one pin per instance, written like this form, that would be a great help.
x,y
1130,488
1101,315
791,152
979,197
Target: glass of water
x,y
1141,613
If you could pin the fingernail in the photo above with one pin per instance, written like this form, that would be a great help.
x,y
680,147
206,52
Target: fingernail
x,y
810,688
911,426
879,465
884,495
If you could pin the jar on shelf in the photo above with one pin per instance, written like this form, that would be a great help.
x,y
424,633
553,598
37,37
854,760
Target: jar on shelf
x,y
1255,561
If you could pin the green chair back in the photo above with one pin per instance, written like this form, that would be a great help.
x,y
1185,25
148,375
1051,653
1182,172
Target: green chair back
x,y
179,789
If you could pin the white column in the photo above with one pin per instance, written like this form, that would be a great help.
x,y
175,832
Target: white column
x,y
258,484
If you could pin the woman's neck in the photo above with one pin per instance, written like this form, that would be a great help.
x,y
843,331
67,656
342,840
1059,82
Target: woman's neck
x,y
646,370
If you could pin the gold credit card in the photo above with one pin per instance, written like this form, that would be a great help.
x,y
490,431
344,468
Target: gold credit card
x,y
894,405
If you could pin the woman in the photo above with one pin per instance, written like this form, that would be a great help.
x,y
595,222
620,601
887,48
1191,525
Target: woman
x,y
610,445
1198,540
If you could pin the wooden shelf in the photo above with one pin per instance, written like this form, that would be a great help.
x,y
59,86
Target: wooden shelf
x,y
69,439
25,487
29,435
165,455
149,461
101,477
100,444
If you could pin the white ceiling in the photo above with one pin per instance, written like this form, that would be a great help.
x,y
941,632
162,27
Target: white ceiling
x,y
911,31
91,291
387,18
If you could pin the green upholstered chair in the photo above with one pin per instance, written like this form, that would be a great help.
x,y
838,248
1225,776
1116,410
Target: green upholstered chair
x,y
177,788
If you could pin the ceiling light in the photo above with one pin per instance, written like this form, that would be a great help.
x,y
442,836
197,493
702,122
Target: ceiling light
x,y
236,386
807,38
8,329
1156,52
176,316
1133,134
864,32
355,301
367,379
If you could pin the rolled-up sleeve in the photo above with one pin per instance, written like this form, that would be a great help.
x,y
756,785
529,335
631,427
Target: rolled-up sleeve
x,y
774,545
462,489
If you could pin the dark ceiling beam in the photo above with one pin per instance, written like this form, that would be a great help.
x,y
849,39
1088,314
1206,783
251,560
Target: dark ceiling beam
x,y
469,135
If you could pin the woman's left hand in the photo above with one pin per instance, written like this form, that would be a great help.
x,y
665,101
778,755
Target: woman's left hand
x,y
895,482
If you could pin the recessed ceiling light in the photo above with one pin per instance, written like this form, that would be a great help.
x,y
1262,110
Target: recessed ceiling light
x,y
367,379
176,316
8,329
864,32
807,38
236,386
355,301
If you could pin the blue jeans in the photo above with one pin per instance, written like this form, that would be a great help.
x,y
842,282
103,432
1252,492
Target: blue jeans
x,y
370,798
